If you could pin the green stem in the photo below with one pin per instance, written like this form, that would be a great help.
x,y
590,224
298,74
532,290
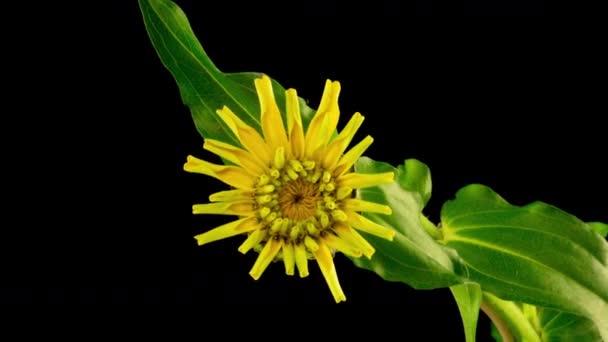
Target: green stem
x,y
509,319
430,228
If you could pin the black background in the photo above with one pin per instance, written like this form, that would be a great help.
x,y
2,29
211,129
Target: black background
x,y
104,208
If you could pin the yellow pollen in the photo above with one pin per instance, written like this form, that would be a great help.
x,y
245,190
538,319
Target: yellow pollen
x,y
298,199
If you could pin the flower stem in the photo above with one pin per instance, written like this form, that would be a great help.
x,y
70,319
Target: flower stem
x,y
509,319
430,228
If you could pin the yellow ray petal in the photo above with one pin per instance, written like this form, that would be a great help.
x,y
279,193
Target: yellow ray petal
x,y
246,134
326,264
343,192
366,225
342,245
252,240
329,100
346,233
324,123
289,258
356,204
243,158
352,155
245,208
301,259
294,123
272,123
363,180
231,175
267,254
228,230
231,196
340,143
313,135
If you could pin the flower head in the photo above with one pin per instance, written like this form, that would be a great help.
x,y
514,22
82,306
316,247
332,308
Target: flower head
x,y
293,190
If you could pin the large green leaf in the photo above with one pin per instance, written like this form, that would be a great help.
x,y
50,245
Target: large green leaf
x,y
509,319
203,87
549,325
528,322
536,254
468,298
413,257
416,177
599,227
495,333
558,326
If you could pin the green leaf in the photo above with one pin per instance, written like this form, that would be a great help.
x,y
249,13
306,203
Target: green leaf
x,y
468,298
557,326
413,257
536,254
417,178
600,228
495,333
509,319
203,87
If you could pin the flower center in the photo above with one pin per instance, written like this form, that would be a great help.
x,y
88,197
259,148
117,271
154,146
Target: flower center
x,y
298,199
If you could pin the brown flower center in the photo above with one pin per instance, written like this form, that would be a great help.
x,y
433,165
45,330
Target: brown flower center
x,y
298,199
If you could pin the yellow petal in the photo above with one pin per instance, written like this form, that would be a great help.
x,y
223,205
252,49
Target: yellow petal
x,y
313,141
366,225
267,254
326,264
346,233
352,155
355,204
363,180
228,230
245,208
324,123
340,143
252,240
329,100
301,259
343,192
289,258
247,135
231,175
231,196
272,123
342,245
240,157
294,124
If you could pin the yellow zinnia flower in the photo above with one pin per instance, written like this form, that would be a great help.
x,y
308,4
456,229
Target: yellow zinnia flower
x,y
293,190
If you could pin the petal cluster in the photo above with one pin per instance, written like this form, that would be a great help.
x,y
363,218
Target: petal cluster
x,y
293,189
